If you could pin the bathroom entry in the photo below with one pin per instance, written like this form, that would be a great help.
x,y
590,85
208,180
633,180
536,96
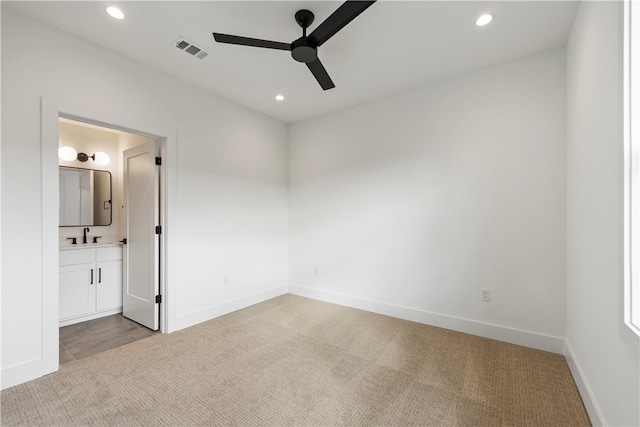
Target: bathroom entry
x,y
134,166
141,249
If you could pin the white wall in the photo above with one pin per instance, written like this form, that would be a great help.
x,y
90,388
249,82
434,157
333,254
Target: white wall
x,y
603,356
411,204
229,217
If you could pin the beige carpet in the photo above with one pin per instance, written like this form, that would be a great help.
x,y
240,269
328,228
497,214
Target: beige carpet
x,y
296,361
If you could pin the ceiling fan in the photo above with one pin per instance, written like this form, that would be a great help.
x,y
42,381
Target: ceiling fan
x,y
305,49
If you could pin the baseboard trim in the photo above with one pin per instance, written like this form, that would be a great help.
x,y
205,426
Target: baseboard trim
x,y
590,403
486,330
193,318
21,373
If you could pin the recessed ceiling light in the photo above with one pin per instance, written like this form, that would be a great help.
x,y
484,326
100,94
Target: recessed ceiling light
x,y
484,19
279,97
115,12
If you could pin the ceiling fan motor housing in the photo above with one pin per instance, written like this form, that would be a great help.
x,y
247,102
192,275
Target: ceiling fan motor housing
x,y
303,50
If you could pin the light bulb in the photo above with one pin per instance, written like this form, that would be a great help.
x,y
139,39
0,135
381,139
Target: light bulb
x,y
115,12
484,19
67,154
280,97
101,158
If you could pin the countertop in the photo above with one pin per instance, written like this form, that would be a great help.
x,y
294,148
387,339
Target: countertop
x,y
89,246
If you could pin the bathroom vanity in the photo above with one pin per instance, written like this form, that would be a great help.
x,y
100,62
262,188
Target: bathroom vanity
x,y
90,282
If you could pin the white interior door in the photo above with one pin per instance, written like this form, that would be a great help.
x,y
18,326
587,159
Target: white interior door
x,y
141,272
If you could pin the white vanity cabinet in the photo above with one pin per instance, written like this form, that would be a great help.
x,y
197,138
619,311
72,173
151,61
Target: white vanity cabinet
x,y
90,283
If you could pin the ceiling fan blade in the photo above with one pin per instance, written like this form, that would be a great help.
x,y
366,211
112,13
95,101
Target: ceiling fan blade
x,y
321,75
338,19
247,41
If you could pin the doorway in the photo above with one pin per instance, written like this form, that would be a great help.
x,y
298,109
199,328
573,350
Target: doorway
x,y
118,228
51,111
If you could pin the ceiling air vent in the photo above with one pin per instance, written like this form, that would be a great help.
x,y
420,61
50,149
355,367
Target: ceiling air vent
x,y
186,46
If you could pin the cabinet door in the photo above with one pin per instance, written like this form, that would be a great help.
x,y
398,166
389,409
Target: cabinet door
x,y
109,286
77,290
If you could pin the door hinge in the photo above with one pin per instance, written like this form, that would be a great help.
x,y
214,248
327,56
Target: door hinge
x,y
158,229
158,299
159,161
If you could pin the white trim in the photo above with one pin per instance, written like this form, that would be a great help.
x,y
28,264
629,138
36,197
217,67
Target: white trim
x,y
199,316
482,329
52,110
50,238
589,400
631,130
21,373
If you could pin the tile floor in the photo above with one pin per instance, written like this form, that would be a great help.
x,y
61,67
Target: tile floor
x,y
98,335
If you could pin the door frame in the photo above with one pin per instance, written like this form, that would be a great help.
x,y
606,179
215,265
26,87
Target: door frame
x,y
51,111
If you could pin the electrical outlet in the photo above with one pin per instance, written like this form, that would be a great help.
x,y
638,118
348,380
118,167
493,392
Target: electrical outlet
x,y
486,295
225,280
316,270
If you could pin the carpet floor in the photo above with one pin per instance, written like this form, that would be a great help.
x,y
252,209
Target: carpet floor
x,y
301,362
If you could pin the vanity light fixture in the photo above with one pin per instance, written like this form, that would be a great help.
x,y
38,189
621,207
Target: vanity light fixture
x,y
115,12
484,19
101,158
69,154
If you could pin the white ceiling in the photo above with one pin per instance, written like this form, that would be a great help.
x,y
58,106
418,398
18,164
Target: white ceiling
x,y
391,47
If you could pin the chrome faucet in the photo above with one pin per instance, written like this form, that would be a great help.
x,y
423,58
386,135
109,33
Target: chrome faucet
x,y
84,234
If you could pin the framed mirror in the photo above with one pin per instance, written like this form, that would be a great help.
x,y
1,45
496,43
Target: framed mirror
x,y
85,197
